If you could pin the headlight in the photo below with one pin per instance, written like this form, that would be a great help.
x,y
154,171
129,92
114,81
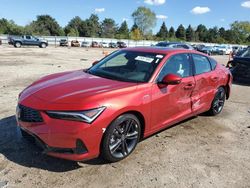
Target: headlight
x,y
87,116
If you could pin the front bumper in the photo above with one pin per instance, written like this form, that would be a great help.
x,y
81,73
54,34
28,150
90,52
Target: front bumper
x,y
65,139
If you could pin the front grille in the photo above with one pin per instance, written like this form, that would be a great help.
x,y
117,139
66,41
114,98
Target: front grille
x,y
27,114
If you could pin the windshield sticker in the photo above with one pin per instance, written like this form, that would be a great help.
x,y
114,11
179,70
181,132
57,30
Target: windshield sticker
x,y
145,59
159,56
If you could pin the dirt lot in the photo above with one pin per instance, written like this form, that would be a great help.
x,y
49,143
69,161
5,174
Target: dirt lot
x,y
201,152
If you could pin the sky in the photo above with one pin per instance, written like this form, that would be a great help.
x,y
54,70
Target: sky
x,y
211,13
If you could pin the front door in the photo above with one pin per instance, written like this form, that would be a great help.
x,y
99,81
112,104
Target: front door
x,y
173,102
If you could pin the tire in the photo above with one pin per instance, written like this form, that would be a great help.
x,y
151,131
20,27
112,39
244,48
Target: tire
x,y
18,44
43,45
218,102
121,138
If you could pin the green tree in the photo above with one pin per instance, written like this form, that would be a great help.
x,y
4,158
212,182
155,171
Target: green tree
x,y
213,35
46,25
93,26
123,31
163,32
76,27
9,27
241,29
145,19
181,32
136,34
190,35
171,32
108,28
202,33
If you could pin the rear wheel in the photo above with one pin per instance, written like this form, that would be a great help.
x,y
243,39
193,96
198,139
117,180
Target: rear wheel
x,y
17,44
218,102
121,138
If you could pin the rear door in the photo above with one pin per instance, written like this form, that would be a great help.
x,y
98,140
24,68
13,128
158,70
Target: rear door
x,y
206,82
173,102
28,40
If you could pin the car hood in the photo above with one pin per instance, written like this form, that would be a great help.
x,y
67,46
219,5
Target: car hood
x,y
71,87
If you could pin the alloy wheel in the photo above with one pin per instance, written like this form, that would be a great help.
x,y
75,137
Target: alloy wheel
x,y
124,138
219,101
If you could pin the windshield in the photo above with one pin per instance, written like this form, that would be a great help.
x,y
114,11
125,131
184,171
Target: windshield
x,y
127,66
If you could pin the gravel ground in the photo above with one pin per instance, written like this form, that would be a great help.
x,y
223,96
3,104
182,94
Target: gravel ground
x,y
200,152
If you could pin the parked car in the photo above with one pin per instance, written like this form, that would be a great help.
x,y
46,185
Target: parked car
x,y
224,50
28,40
240,67
127,96
95,44
175,45
75,43
199,47
86,44
103,44
63,42
121,44
209,50
112,45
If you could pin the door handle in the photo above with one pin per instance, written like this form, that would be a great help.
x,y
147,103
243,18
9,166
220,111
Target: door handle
x,y
189,86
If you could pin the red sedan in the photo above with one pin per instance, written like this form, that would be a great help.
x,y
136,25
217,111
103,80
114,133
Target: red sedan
x,y
129,95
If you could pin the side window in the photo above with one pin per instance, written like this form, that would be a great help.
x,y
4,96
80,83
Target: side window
x,y
213,63
177,64
28,37
201,64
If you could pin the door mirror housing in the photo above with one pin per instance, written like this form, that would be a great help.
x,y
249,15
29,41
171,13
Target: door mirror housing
x,y
95,62
170,79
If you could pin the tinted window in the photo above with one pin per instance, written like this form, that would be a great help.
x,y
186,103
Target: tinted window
x,y
213,63
201,64
177,64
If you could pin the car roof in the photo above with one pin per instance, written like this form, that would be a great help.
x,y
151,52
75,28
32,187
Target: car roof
x,y
162,50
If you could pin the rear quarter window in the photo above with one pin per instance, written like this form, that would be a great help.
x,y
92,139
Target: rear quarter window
x,y
201,63
213,63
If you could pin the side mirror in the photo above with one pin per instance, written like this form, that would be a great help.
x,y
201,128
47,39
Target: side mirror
x,y
170,79
95,62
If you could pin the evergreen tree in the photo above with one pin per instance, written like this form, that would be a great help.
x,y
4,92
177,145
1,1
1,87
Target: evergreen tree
x,y
181,32
108,28
190,35
171,32
93,26
163,32
202,32
123,31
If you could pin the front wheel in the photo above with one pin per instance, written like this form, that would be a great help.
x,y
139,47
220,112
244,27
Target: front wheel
x,y
121,138
218,102
43,45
